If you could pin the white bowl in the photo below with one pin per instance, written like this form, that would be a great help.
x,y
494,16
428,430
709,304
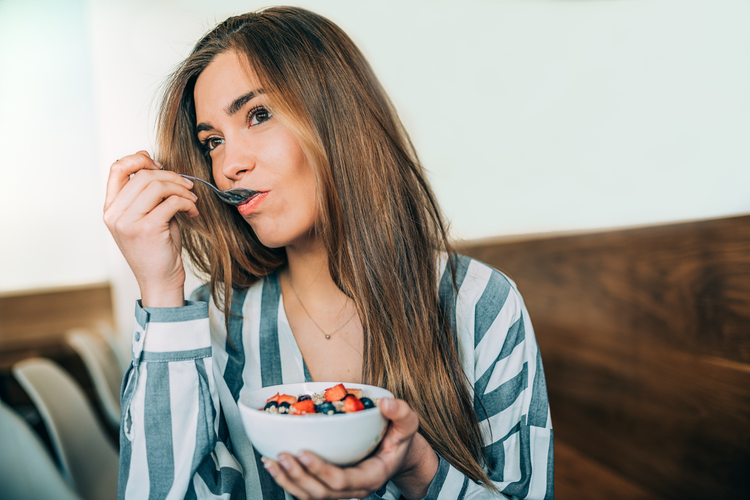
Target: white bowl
x,y
342,439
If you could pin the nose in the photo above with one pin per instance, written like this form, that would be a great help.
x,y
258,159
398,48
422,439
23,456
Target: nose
x,y
236,161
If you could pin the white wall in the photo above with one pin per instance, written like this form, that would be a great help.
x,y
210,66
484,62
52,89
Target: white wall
x,y
50,191
530,115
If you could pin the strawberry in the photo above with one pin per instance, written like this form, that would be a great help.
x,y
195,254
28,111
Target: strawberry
x,y
336,393
286,398
306,406
273,398
352,404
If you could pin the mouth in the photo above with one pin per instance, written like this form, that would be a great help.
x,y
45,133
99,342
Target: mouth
x,y
251,204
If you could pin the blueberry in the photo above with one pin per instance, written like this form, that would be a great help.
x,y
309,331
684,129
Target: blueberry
x,y
367,403
271,404
304,397
284,405
326,408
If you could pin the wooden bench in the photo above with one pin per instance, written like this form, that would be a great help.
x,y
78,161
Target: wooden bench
x,y
645,336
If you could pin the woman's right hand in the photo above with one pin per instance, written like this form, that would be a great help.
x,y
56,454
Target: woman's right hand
x,y
140,213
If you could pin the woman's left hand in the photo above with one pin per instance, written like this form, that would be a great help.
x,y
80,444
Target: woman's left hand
x,y
404,457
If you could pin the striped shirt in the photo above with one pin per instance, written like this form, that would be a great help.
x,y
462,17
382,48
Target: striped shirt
x,y
181,435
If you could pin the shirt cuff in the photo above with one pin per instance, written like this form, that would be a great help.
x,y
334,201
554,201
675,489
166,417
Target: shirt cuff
x,y
172,332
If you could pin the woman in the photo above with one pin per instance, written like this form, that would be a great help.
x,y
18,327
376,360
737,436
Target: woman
x,y
337,271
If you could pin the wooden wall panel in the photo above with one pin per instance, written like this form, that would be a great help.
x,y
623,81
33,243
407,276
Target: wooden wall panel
x,y
577,477
39,318
645,336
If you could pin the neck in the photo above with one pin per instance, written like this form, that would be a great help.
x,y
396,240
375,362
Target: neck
x,y
308,274
323,319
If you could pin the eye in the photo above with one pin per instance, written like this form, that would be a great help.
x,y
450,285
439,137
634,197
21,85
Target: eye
x,y
211,143
258,115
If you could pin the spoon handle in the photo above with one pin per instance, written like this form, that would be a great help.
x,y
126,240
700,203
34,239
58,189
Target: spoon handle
x,y
200,180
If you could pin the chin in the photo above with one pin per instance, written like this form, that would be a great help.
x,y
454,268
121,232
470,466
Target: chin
x,y
271,238
272,241
276,235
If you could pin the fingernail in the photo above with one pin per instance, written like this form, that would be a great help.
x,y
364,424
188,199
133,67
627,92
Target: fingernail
x,y
188,182
268,464
285,463
304,458
387,404
158,164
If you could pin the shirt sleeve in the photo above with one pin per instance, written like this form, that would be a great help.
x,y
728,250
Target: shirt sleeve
x,y
169,445
510,401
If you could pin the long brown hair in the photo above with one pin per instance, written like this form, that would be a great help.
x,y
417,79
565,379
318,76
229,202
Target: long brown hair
x,y
377,215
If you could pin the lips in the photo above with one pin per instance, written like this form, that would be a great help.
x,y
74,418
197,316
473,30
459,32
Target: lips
x,y
252,204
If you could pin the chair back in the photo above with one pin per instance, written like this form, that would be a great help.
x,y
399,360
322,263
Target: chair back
x,y
103,368
85,453
27,471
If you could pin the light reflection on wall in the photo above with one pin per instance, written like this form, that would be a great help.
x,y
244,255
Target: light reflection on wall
x,y
530,115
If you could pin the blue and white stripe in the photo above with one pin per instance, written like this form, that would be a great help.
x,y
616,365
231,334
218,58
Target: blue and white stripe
x,y
176,436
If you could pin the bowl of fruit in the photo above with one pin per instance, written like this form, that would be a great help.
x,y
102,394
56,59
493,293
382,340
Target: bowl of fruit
x,y
339,422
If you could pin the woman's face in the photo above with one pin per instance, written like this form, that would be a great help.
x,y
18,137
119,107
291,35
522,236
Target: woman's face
x,y
251,149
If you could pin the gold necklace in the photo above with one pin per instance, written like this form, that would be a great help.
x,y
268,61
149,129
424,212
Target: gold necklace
x,y
327,335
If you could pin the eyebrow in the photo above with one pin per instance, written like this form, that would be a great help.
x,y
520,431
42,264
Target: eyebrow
x,y
232,109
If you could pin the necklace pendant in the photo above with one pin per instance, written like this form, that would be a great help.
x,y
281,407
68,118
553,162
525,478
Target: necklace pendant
x,y
328,337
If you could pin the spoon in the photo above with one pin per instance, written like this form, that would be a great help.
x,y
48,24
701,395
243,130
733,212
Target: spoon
x,y
235,196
